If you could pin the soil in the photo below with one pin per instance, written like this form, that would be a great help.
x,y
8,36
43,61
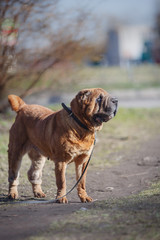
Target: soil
x,y
136,170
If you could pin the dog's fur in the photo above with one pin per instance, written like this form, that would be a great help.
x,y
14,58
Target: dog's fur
x,y
42,133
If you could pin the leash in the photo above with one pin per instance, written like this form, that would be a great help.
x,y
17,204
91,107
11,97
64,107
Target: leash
x,y
55,200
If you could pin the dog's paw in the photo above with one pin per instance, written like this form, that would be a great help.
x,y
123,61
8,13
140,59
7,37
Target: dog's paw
x,y
37,191
39,194
61,200
85,199
13,195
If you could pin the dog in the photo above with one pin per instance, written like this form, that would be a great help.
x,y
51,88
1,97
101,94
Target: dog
x,y
64,136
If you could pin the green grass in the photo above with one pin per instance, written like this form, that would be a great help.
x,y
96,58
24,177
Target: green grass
x,y
154,190
131,218
137,77
79,77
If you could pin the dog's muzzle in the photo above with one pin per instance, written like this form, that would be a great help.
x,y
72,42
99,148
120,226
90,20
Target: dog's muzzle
x,y
114,104
108,111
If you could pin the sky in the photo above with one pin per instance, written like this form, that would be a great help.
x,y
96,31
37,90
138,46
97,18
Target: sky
x,y
131,11
104,13
118,13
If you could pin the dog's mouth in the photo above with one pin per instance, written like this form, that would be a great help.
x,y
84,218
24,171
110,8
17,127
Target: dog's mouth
x,y
99,118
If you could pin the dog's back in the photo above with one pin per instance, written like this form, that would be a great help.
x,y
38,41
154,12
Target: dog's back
x,y
17,105
32,121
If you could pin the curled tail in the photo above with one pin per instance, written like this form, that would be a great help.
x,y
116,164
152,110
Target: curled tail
x,y
15,102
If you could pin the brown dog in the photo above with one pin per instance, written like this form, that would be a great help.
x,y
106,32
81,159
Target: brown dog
x,y
43,133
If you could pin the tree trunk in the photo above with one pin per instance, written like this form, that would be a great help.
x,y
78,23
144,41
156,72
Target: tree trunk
x,y
3,100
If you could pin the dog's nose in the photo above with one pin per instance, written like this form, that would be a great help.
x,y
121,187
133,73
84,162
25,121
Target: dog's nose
x,y
114,100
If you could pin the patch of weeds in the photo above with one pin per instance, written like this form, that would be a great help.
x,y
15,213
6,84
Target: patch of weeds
x,y
36,238
154,190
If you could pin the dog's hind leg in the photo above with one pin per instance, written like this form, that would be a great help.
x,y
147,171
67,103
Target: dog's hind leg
x,y
14,160
16,150
35,172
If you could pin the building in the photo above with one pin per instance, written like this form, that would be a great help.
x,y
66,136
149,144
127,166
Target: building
x,y
125,43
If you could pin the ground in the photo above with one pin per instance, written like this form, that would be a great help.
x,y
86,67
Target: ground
x,y
118,210
123,179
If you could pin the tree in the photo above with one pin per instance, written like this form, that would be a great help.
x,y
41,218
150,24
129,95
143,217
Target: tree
x,y
35,35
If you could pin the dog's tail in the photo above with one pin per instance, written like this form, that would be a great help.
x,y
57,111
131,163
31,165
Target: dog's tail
x,y
15,102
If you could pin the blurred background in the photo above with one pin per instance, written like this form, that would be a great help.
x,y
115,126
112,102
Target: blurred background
x,y
49,50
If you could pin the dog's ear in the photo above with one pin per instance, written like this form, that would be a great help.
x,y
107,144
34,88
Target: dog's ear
x,y
83,95
80,100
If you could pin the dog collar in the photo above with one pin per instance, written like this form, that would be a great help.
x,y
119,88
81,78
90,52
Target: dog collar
x,y
71,114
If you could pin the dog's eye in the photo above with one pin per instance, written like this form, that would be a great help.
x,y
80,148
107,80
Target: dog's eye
x,y
99,99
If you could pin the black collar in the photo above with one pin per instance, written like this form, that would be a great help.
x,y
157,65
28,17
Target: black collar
x,y
71,114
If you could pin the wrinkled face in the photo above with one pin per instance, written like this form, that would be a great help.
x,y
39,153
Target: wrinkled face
x,y
95,106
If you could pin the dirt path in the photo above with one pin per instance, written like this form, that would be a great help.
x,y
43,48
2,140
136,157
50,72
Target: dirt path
x,y
136,171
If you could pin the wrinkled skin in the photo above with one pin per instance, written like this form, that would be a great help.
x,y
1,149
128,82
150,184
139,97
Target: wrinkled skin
x,y
41,133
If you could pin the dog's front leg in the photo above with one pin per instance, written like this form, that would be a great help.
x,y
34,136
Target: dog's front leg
x,y
81,188
60,169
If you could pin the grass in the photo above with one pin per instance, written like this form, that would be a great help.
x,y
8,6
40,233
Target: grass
x,y
74,78
131,218
142,76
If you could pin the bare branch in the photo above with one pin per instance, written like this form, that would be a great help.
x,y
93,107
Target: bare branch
x,y
45,36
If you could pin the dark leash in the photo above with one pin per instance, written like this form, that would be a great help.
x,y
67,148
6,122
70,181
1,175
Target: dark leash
x,y
55,200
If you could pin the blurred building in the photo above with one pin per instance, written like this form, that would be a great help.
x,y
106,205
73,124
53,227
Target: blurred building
x,y
125,43
113,48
